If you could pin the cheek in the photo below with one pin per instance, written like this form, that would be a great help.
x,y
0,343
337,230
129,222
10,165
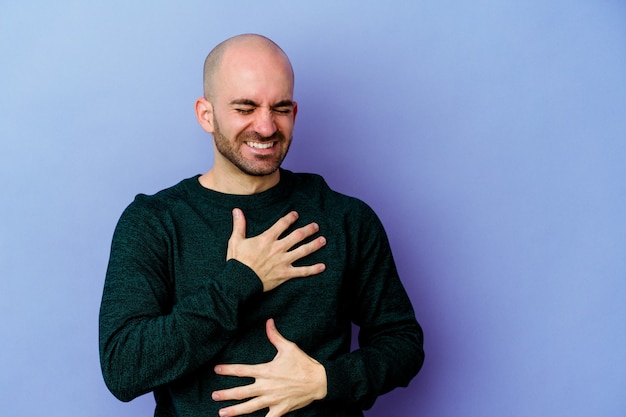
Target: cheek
x,y
285,126
234,128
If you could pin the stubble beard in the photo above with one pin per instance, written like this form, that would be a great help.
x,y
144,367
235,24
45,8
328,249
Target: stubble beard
x,y
262,165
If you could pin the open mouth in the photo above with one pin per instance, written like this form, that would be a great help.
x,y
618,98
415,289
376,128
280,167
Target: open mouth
x,y
260,145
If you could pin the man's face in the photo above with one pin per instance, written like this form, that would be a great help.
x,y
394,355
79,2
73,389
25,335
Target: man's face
x,y
253,112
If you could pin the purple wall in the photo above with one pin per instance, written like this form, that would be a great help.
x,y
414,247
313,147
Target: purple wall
x,y
490,138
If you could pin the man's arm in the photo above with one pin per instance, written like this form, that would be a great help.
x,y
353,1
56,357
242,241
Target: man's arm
x,y
147,338
390,349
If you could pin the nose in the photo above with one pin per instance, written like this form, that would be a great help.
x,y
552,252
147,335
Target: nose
x,y
264,123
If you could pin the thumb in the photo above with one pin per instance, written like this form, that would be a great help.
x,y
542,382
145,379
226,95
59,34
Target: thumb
x,y
273,335
239,224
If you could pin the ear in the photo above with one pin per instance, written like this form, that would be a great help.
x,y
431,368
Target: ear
x,y
295,111
204,114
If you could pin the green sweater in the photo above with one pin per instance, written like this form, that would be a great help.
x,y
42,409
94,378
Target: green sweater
x,y
173,307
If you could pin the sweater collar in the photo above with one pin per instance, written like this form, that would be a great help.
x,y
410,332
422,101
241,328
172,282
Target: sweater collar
x,y
244,202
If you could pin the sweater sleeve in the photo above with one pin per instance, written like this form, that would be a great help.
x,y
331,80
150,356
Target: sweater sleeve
x,y
390,349
148,339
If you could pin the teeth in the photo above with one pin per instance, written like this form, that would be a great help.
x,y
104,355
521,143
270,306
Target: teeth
x,y
265,145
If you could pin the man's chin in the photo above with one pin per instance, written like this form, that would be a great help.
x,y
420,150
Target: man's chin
x,y
262,173
258,170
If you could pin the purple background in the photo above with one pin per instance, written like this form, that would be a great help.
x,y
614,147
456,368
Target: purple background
x,y
489,136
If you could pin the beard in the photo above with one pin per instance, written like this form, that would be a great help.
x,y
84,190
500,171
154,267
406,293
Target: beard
x,y
261,165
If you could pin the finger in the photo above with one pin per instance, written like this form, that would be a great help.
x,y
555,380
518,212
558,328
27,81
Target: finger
x,y
247,407
307,271
307,249
239,224
239,370
282,224
300,234
237,393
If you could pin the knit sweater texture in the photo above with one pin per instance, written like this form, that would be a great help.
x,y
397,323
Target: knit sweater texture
x,y
173,307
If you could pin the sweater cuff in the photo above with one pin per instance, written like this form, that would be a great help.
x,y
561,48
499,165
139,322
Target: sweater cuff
x,y
240,280
339,383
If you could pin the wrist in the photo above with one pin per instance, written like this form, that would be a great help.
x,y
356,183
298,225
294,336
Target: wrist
x,y
321,385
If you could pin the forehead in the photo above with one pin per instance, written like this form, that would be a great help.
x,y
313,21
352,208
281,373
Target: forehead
x,y
260,74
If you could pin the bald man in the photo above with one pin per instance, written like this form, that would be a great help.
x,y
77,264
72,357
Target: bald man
x,y
234,292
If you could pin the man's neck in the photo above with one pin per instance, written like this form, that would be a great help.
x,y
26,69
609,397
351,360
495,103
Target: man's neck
x,y
238,183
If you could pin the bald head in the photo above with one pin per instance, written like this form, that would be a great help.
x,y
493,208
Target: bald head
x,y
241,44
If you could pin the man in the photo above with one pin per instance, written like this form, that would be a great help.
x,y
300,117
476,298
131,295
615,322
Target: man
x,y
233,292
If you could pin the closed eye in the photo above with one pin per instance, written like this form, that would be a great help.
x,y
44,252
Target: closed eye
x,y
283,107
283,110
245,106
244,110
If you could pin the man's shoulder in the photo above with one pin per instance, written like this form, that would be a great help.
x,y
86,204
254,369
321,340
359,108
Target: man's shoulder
x,y
314,186
164,199
306,180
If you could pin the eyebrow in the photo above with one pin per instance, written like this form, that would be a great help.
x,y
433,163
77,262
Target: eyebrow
x,y
248,102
